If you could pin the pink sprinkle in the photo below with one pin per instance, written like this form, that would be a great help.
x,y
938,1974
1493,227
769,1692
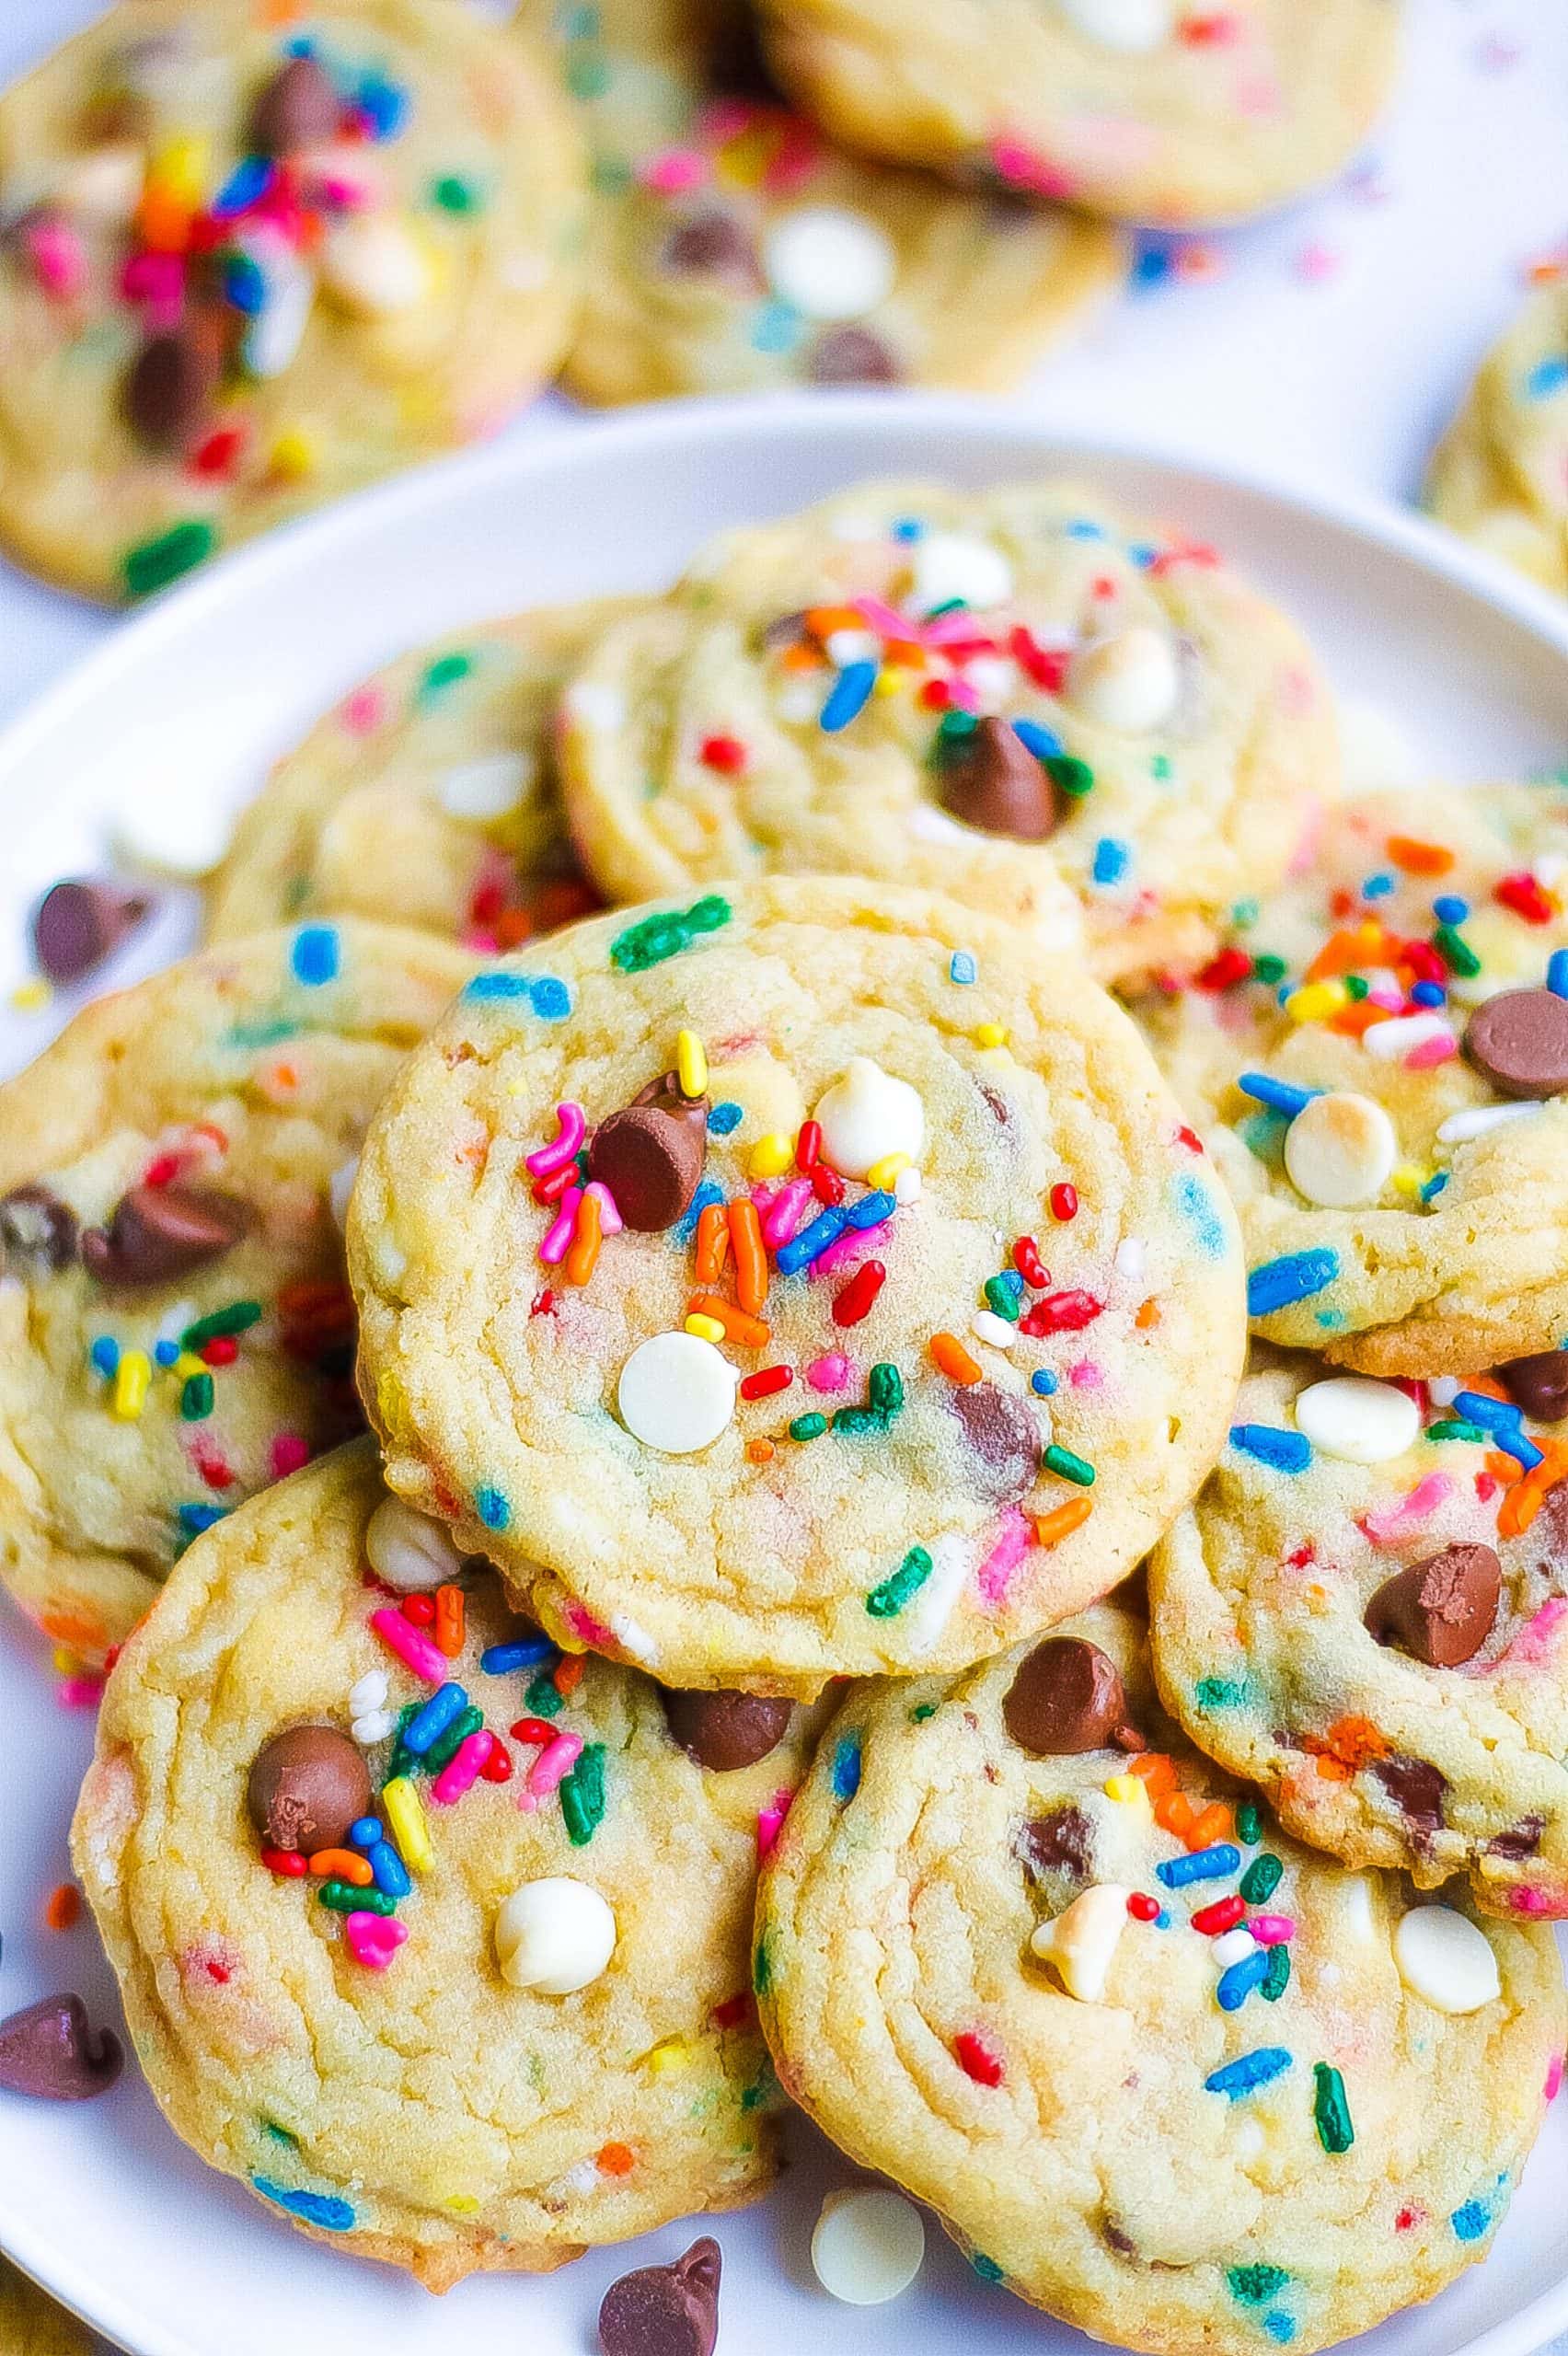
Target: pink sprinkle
x,y
832,1371
373,1940
849,1248
593,1632
571,1127
79,1692
995,1572
1272,1930
1023,168
885,622
1554,2087
1387,997
1536,1638
153,278
1086,1375
289,1452
676,169
1316,262
58,256
779,1227
558,1237
963,696
462,1767
1423,1500
482,943
795,160
551,1768
770,1822
363,711
416,1652
726,119
1529,1902
610,1221
1435,1050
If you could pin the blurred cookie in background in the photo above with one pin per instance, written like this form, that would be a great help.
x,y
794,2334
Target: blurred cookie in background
x,y
31,2325
1500,474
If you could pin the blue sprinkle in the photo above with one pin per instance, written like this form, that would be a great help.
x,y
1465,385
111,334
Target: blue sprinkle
x,y
1548,377
1277,1095
1112,860
1470,2222
1427,993
1012,1284
872,1208
1435,1186
724,1118
908,527
963,968
315,954
1151,267
552,1000
1195,1203
166,1351
431,1719
1501,1418
1081,528
1448,908
528,1652
497,985
1041,741
366,1831
492,1508
320,2208
848,695
1162,1919
245,186
812,1241
1237,1984
1557,973
1280,2327
847,1767
1282,1451
1200,1864
196,1519
1043,1381
1254,2068
384,104
391,1873
776,328
244,289
1377,888
1144,553
105,1356
1297,1276
299,45
684,1227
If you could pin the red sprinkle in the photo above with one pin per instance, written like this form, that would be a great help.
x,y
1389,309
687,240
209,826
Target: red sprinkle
x,y
551,1189
936,694
1524,896
853,1302
1026,1261
1142,1908
497,1768
1223,973
222,1350
420,1609
765,1381
1190,1138
976,2060
725,753
542,1304
1223,1915
534,1731
219,452
1061,1312
291,1863
1044,665
808,1144
731,2012
826,1184
1424,962
161,1171
1064,1203
63,1907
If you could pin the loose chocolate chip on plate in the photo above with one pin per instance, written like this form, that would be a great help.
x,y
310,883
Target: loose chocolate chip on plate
x,y
665,2310
726,1730
1440,1611
76,924
156,1232
299,107
651,1156
1538,1384
1062,1843
1415,1786
172,383
308,1785
1066,1698
51,2051
1519,1039
37,1232
853,355
1001,1434
995,783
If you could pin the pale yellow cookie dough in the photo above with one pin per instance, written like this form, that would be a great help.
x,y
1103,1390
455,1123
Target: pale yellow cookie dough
x,y
1500,474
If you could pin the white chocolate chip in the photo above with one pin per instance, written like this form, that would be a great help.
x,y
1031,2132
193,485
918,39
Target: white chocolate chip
x,y
676,1394
1129,24
593,705
1443,1389
1340,1150
830,263
954,565
866,1116
373,265
106,183
554,1935
409,1550
339,1187
868,2245
1444,1959
1129,682
907,1188
1357,1420
487,788
1460,1128
1080,1943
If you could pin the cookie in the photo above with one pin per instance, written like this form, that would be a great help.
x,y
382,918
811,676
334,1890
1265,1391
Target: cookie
x,y
426,798
733,250
805,1282
249,265
984,692
175,1326
444,1996
31,2325
1139,109
1366,1612
1372,1061
1500,474
1159,2070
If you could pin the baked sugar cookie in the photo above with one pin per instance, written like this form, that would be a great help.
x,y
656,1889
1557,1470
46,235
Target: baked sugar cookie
x,y
984,692
1366,1611
1144,109
250,264
1159,2070
806,1281
427,797
443,1994
1378,1061
175,1326
1500,474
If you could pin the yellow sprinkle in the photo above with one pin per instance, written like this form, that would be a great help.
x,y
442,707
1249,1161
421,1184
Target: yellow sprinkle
x,y
991,1034
187,1364
666,2058
66,1663
294,455
133,1375
181,168
461,2205
691,1063
888,680
1130,1790
1314,1001
28,997
883,1175
707,1329
1409,1179
406,1822
771,1156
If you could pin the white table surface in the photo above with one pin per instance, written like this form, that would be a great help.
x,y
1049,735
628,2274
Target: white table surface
x,y
1328,345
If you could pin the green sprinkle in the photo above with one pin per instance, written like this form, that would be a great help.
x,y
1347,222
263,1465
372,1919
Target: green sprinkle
x,y
452,193
1219,1694
583,1796
885,1602
1358,987
1262,1878
196,1398
443,672
1453,1428
587,74
810,1426
1003,1298
1330,2110
921,1712
444,1748
884,1386
1073,776
763,2088
344,1898
1062,1462
762,1968
402,1760
234,1319
1276,1980
987,2267
1253,2285
857,1419
153,564
543,1699
954,731
1160,767
1270,968
665,935
269,1034
1249,1822
280,2134
1244,914
1456,952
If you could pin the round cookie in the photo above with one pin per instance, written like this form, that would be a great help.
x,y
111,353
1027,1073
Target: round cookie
x,y
175,1326
938,1392
986,1964
403,2082
249,265
31,2325
427,797
1366,1611
735,250
1371,1062
1143,110
1500,474
984,692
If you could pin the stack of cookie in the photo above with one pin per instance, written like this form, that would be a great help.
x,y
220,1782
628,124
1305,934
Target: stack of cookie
x,y
806,1273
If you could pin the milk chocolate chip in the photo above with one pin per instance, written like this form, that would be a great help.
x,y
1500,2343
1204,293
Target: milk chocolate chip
x,y
37,1232
307,1787
852,355
156,1232
170,390
299,107
1538,1384
50,2051
1002,1437
995,783
1062,1843
1416,1787
726,1730
1519,1039
665,2310
712,245
1439,1611
77,923
1066,1698
651,1156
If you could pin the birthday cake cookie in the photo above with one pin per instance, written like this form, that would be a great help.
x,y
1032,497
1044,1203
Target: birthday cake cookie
x,y
1499,475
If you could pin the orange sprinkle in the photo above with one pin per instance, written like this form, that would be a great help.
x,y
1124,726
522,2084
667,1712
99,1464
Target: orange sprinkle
x,y
1050,1529
1345,1748
800,657
822,621
1488,1386
616,2159
949,1357
567,1675
751,1257
751,1332
1175,1811
448,1629
1147,1314
342,1865
1155,1769
759,1452
1504,1470
1418,858
63,1907
1354,1021
282,1079
1212,1823
1345,952
1525,1500
712,1243
583,1249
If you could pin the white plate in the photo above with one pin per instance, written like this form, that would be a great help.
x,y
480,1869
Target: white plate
x,y
101,2203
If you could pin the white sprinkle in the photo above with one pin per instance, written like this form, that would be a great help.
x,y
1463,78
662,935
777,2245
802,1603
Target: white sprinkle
x,y
1460,1128
1388,1041
1356,1420
988,1327
1132,1259
1231,1948
594,705
868,2245
374,1726
1443,1389
272,341
1129,24
489,788
174,1321
907,1188
1356,1891
993,678
956,564
632,1636
843,647
953,1559
830,263
368,1693
1444,1958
